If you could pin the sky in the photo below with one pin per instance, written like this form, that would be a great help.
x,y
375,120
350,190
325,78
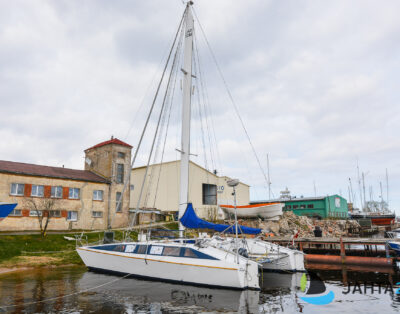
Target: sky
x,y
316,84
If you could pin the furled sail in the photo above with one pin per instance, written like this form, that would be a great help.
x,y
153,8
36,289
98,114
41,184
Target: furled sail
x,y
190,220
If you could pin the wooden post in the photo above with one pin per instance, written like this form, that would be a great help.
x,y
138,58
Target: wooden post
x,y
342,251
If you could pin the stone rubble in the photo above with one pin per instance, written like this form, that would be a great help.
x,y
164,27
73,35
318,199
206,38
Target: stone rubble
x,y
290,224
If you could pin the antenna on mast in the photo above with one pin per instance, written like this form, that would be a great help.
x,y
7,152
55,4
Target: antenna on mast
x,y
269,179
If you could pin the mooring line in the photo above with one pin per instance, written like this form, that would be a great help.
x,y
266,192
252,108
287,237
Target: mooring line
x,y
65,296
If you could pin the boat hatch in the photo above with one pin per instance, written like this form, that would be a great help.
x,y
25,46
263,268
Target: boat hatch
x,y
155,250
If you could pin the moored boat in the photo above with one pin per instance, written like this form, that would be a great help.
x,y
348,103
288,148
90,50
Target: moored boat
x,y
376,219
270,211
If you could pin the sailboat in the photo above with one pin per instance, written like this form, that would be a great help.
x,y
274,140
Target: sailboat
x,y
269,211
184,261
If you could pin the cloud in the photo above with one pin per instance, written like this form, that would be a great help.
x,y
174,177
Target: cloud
x,y
315,84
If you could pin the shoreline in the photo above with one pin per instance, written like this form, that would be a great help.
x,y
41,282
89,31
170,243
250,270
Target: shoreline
x,y
8,270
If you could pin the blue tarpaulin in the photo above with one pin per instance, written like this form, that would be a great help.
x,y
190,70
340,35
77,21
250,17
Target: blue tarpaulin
x,y
6,209
190,220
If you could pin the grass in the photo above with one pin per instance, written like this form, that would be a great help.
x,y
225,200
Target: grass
x,y
21,250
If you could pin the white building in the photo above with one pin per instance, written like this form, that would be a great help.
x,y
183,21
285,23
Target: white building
x,y
161,189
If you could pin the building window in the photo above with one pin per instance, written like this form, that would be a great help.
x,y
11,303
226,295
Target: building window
x,y
310,206
121,155
16,212
118,203
55,213
302,206
17,189
209,194
56,191
120,173
35,213
97,214
37,190
295,206
72,216
74,193
98,195
288,206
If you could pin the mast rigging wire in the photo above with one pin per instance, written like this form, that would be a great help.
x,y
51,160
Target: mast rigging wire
x,y
148,118
230,96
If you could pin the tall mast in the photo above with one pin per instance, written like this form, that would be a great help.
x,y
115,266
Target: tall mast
x,y
269,179
387,189
186,109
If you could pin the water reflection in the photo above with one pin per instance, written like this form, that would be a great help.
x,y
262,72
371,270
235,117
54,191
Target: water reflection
x,y
123,296
280,294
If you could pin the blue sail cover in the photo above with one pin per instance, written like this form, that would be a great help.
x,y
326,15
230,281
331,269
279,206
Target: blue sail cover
x,y
190,220
6,209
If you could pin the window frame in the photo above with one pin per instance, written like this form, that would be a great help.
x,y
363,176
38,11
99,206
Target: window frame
x,y
52,213
121,155
38,213
95,193
17,185
73,189
206,194
55,189
13,213
70,218
118,209
95,214
120,173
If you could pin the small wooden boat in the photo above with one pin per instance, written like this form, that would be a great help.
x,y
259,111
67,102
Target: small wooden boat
x,y
270,211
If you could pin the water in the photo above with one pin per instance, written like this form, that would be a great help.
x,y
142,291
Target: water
x,y
62,289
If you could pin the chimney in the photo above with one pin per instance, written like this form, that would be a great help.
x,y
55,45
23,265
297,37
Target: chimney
x,y
112,137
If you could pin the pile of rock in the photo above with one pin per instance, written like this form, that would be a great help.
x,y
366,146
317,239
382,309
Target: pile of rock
x,y
290,224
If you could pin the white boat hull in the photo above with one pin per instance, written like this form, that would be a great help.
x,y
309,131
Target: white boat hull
x,y
221,272
268,211
271,256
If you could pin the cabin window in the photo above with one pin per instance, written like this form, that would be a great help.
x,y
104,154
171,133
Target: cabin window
x,y
156,250
209,194
120,173
310,206
189,253
130,248
74,193
172,251
141,249
56,191
118,201
98,195
17,189
16,212
72,216
97,214
37,190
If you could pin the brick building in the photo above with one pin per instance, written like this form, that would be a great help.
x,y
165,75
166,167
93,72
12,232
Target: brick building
x,y
84,199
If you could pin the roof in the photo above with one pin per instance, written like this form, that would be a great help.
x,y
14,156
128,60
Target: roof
x,y
51,172
112,141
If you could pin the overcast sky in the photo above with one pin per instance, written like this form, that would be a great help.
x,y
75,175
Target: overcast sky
x,y
316,83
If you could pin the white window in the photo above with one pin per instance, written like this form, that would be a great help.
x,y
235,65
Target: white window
x,y
35,213
16,212
97,214
156,250
17,189
37,190
98,195
118,201
74,193
56,191
130,248
72,216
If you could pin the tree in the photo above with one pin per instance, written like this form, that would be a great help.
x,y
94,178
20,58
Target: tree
x,y
45,209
